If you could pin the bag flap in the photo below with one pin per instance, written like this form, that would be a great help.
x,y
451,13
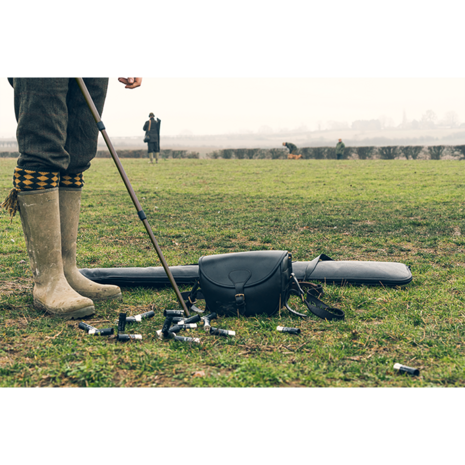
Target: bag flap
x,y
251,267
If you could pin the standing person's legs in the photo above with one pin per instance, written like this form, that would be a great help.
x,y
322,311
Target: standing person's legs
x,y
157,154
44,167
81,144
150,149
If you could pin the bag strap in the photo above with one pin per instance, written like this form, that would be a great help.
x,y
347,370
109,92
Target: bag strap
x,y
316,306
150,124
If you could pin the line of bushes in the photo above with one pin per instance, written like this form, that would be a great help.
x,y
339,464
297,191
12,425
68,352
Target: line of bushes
x,y
165,153
409,152
391,152
168,153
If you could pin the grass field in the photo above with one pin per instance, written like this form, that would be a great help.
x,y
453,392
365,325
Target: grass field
x,y
406,211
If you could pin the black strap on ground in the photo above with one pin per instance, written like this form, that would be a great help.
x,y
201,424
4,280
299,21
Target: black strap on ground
x,y
315,305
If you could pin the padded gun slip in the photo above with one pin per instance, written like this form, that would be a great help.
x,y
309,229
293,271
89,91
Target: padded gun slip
x,y
321,268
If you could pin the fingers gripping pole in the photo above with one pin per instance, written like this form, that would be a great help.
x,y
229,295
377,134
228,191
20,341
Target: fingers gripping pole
x,y
130,190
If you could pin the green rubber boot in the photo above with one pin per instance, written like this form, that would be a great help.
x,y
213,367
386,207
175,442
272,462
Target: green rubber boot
x,y
70,206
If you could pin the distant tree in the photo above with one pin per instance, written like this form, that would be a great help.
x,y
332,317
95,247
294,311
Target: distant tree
x,y
364,153
228,153
388,153
278,153
318,153
460,149
451,119
428,119
436,151
414,124
411,151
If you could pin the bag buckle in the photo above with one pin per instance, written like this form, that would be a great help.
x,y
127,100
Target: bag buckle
x,y
299,289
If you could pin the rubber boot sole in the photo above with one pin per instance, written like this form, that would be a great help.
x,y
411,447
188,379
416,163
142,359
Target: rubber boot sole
x,y
73,315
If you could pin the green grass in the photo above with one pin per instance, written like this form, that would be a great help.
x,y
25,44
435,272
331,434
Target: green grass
x,y
406,211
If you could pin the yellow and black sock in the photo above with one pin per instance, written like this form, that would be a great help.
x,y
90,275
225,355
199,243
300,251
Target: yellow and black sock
x,y
28,180
72,180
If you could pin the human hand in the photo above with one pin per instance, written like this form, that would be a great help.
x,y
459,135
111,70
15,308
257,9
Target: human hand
x,y
131,83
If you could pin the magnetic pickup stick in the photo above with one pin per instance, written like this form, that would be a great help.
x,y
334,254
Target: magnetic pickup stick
x,y
99,332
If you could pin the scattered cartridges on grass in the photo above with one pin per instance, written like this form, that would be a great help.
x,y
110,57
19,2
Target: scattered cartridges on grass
x,y
99,332
284,329
405,369
221,332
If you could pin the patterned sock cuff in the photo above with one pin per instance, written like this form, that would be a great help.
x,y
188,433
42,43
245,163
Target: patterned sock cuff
x,y
72,180
35,180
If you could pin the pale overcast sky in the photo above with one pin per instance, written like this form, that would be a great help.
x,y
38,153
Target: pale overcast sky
x,y
223,105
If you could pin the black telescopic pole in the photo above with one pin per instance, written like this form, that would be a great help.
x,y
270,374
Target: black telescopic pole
x,y
140,212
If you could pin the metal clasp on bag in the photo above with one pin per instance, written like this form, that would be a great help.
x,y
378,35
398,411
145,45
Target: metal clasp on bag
x,y
299,289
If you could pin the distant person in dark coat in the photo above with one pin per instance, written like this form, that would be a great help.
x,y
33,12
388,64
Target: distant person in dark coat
x,y
152,129
293,151
340,150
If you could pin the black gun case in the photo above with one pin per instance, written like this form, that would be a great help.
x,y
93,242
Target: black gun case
x,y
321,268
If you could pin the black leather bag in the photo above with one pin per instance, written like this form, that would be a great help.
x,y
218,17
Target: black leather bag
x,y
252,283
147,135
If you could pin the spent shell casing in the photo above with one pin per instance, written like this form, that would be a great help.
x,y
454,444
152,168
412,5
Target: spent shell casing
x,y
406,369
284,329
178,327
121,322
139,318
192,319
95,331
221,332
162,335
196,309
173,313
85,326
167,324
196,340
128,337
207,319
